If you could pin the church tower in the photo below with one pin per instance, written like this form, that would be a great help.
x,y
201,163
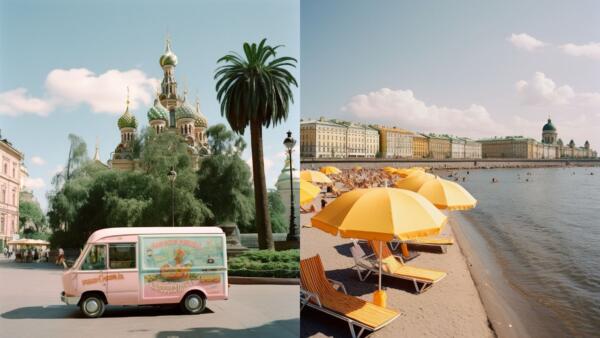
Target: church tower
x,y
127,125
168,95
549,133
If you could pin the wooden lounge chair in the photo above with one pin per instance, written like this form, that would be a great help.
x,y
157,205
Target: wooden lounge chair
x,y
438,242
320,293
391,266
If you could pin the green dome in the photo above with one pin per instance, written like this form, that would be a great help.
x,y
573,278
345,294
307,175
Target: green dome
x,y
158,112
127,120
549,126
168,58
185,111
201,121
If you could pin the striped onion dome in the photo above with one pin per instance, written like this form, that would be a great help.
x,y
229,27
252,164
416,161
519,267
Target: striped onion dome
x,y
185,111
158,112
127,120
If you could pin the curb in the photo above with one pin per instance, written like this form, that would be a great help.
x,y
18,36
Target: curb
x,y
263,280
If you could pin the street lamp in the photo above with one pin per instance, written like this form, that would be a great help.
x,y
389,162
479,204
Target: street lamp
x,y
172,175
289,143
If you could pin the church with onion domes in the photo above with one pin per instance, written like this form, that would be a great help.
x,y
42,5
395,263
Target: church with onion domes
x,y
171,112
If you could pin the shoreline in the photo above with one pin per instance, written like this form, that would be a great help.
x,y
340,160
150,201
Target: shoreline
x,y
456,164
510,310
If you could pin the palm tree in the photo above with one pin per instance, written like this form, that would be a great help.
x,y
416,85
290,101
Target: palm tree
x,y
255,90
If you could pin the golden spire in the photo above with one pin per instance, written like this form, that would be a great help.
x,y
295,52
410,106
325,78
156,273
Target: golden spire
x,y
127,102
97,153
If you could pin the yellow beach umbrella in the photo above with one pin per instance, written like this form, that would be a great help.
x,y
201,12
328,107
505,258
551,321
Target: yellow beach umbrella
x,y
314,176
329,170
389,170
308,192
403,172
380,214
357,168
414,181
448,195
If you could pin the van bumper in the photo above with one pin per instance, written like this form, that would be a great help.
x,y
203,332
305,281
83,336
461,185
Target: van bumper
x,y
69,300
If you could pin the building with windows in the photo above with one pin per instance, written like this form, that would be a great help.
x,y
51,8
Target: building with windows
x,y
395,142
171,112
550,147
439,146
324,138
420,146
10,186
457,147
472,149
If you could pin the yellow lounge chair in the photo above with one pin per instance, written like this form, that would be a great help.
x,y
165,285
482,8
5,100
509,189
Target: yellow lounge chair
x,y
440,242
392,267
320,293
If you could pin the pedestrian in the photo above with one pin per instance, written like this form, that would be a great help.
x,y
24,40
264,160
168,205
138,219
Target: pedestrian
x,y
61,256
323,203
6,252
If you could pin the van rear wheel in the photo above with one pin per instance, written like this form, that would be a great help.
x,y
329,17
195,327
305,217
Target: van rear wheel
x,y
193,303
92,306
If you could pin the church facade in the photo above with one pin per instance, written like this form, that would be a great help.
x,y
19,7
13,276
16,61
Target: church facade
x,y
170,112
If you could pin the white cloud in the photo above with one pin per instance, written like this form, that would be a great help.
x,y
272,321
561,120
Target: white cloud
x,y
34,183
104,93
590,50
19,102
38,160
541,90
402,108
525,41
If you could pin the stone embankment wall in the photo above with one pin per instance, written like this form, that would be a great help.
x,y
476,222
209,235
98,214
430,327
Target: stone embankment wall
x,y
445,164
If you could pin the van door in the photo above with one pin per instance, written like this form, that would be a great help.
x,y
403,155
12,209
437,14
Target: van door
x,y
92,272
122,274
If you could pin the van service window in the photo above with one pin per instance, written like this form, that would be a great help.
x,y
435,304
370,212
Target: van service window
x,y
95,259
121,256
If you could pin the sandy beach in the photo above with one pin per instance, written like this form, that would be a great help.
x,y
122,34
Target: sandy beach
x,y
451,308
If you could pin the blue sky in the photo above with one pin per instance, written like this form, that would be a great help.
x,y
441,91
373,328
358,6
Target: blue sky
x,y
469,68
65,65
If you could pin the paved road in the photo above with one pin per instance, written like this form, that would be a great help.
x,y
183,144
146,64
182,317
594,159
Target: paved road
x,y
30,307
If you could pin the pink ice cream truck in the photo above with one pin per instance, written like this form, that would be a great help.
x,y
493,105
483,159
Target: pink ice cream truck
x,y
147,266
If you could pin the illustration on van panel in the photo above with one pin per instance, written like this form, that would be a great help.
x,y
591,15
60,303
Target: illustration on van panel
x,y
171,264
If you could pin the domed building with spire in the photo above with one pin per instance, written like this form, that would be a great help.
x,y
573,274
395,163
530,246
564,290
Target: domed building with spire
x,y
551,147
171,112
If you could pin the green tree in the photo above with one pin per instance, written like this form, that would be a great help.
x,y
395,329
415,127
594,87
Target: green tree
x,y
277,212
223,141
32,221
255,90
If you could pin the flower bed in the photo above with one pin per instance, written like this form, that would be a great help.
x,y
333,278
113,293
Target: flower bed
x,y
266,263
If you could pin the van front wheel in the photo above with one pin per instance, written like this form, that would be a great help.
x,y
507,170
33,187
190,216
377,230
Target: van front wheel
x,y
92,306
193,303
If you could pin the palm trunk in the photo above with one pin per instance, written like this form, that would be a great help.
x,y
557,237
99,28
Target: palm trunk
x,y
262,220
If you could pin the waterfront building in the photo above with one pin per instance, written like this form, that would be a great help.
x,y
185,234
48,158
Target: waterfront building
x,y
439,146
472,149
10,186
337,139
395,142
420,146
550,147
508,147
457,147
171,112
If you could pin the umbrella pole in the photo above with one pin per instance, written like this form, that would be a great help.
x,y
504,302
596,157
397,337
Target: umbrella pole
x,y
380,260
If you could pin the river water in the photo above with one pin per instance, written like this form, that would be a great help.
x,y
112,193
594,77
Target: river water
x,y
543,227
